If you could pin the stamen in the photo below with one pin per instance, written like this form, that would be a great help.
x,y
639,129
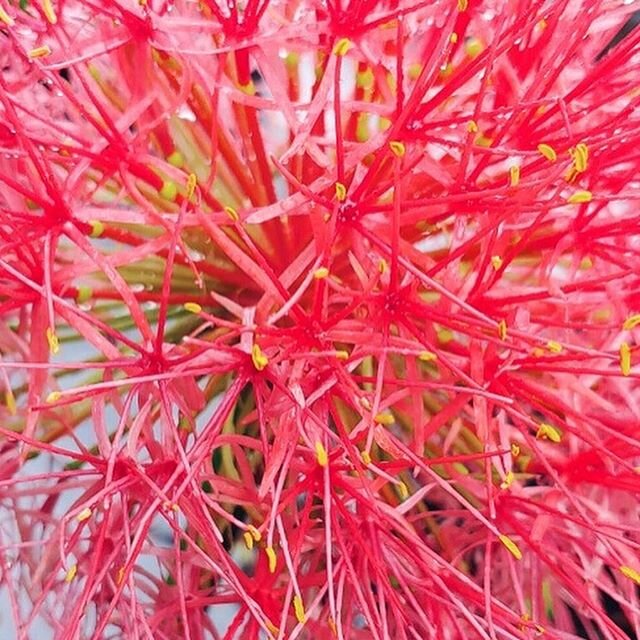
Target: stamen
x,y
260,361
496,262
192,307
579,197
631,322
248,540
384,418
321,273
192,181
54,396
502,329
49,13
232,213
40,52
85,514
631,573
299,609
71,573
625,359
341,47
255,533
271,555
341,192
548,152
169,190
554,347
97,228
52,339
514,175
397,148
548,432
6,18
321,455
427,356
511,546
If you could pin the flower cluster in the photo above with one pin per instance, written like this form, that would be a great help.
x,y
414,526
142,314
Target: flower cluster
x,y
319,318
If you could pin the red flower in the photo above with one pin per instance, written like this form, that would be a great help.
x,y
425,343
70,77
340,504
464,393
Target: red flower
x,y
319,319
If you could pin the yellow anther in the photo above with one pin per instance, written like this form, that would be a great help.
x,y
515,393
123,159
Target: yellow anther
x,y
397,148
299,609
548,432
176,159
341,47
625,359
321,273
631,573
10,402
6,18
49,13
192,181
537,352
496,262
97,228
508,480
84,294
483,141
260,361
579,197
366,457
502,329
120,576
71,573
403,490
586,263
554,347
384,418
473,47
382,266
580,157
365,403
232,213
341,354
515,449
255,533
453,38
341,192
192,307
273,560
52,339
331,623
463,5
169,190
414,71
248,89
273,630
40,52
631,322
514,175
248,540
472,126
511,546
54,396
542,24
364,79
548,152
85,514
427,356
321,455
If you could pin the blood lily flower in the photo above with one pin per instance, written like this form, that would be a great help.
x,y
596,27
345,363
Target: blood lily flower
x,y
319,319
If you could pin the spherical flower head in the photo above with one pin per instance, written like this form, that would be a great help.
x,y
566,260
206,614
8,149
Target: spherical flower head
x,y
323,313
